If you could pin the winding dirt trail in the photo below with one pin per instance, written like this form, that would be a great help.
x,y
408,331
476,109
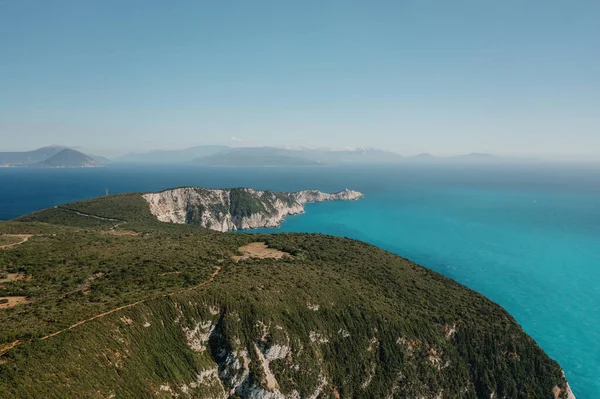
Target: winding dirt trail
x,y
24,238
6,347
99,315
89,215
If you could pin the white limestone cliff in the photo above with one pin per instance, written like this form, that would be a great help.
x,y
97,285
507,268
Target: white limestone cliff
x,y
305,196
218,210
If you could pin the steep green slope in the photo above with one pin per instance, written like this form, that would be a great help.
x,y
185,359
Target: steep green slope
x,y
142,309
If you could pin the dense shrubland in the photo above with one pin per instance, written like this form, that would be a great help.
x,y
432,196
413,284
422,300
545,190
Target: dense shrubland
x,y
368,322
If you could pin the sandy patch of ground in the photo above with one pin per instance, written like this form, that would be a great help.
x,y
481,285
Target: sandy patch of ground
x,y
10,301
260,250
14,277
11,240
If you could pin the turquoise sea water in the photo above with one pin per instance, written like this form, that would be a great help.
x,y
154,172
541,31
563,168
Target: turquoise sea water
x,y
526,236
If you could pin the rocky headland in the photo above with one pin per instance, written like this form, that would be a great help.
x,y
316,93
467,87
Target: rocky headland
x,y
235,209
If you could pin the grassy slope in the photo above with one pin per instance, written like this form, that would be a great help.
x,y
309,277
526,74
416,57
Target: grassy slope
x,y
130,207
371,294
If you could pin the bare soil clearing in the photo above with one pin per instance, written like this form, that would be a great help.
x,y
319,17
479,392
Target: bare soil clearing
x,y
12,301
260,250
14,277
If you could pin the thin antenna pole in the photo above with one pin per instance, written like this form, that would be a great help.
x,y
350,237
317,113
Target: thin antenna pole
x,y
107,192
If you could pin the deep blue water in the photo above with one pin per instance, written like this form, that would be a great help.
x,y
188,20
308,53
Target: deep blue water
x,y
526,236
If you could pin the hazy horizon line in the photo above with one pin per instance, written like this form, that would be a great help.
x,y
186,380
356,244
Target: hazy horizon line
x,y
113,153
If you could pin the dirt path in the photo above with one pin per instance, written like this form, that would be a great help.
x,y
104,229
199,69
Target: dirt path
x,y
6,347
116,225
89,215
93,318
24,238
212,277
9,346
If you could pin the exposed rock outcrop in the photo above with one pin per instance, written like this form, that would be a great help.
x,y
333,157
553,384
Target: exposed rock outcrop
x,y
305,196
565,393
234,209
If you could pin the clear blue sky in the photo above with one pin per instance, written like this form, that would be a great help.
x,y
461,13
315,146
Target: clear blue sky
x,y
442,76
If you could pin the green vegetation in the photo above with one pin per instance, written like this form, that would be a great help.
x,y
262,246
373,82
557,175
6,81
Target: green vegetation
x,y
8,240
65,217
101,211
368,323
130,207
286,198
244,204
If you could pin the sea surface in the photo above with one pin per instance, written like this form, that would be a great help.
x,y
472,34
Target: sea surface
x,y
526,236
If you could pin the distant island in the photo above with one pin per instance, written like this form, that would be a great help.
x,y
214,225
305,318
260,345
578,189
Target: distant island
x,y
24,158
50,157
67,158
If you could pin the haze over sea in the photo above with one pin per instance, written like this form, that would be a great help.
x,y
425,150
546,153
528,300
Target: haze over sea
x,y
526,236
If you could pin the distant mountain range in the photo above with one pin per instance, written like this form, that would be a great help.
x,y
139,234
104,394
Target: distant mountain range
x,y
259,156
262,156
273,156
51,157
171,156
216,155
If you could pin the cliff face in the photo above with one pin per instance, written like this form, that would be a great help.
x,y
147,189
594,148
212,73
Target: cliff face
x,y
317,196
234,209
